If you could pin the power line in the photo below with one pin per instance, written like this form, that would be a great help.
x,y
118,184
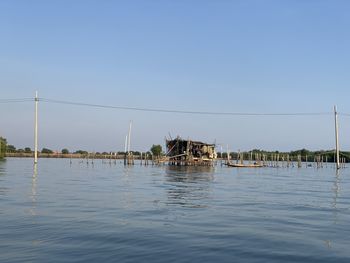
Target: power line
x,y
182,111
20,100
16,100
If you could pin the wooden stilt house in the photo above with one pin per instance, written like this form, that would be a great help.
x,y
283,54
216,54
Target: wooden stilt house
x,y
188,152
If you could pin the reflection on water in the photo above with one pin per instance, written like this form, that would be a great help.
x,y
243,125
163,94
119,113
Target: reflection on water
x,y
336,189
74,212
334,205
34,193
196,173
127,193
189,186
3,189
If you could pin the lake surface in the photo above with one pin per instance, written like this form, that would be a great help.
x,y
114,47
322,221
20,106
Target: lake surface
x,y
110,213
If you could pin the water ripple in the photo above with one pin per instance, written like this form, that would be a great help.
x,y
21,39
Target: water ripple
x,y
112,213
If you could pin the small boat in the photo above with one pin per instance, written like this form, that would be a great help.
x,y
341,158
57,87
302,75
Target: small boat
x,y
242,165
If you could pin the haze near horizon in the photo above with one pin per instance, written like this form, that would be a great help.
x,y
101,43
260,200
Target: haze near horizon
x,y
205,56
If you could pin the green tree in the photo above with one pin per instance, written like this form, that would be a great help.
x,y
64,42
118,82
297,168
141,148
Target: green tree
x,y
81,152
11,149
45,150
27,150
65,151
3,144
156,150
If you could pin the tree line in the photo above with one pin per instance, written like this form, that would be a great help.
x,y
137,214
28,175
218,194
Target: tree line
x,y
157,150
154,150
303,153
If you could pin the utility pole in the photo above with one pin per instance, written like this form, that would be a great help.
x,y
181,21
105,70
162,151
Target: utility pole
x,y
129,134
36,129
336,137
126,144
125,149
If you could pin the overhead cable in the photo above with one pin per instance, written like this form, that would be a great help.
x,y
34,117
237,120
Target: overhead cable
x,y
169,110
183,111
16,100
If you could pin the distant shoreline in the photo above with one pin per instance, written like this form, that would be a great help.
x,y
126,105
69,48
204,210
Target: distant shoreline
x,y
68,156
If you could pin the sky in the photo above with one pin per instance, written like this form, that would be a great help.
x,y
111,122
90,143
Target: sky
x,y
218,56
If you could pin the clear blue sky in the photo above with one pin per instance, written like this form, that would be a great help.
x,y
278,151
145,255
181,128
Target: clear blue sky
x,y
232,56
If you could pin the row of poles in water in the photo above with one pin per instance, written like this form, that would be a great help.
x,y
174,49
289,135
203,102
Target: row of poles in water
x,y
285,160
274,160
129,159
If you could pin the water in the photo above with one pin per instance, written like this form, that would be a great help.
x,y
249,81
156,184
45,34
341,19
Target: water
x,y
109,213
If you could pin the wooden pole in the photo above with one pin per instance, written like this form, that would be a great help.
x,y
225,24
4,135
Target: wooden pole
x,y
305,160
